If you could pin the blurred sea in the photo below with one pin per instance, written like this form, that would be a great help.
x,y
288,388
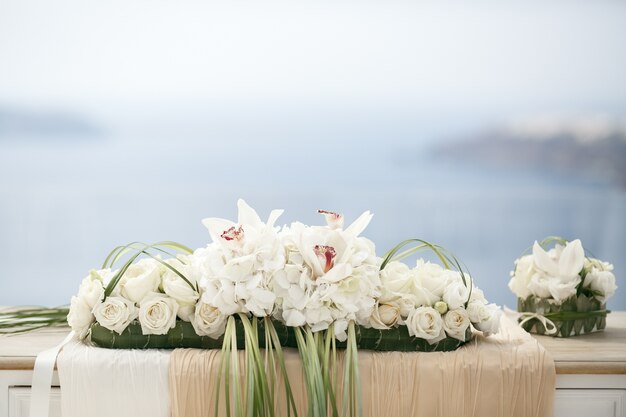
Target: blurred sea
x,y
64,204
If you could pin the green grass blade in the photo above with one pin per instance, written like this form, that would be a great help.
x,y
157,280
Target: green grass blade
x,y
291,404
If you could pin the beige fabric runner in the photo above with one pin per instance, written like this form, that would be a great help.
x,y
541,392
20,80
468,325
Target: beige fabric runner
x,y
506,375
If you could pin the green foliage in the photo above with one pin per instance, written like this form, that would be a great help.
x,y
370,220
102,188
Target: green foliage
x,y
25,319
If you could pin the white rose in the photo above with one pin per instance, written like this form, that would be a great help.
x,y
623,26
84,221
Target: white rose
x,y
477,294
208,320
174,286
598,264
91,289
521,276
396,277
80,316
140,279
601,281
426,323
115,313
157,313
430,283
478,311
492,324
455,323
456,294
385,316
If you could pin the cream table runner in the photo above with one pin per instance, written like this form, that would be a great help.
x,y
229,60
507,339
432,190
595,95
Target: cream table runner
x,y
506,375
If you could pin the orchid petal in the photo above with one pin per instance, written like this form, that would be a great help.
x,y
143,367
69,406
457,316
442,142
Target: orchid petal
x,y
247,215
360,224
544,261
217,227
337,273
572,259
274,215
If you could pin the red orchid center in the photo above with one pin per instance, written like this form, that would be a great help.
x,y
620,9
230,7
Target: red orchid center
x,y
233,234
327,255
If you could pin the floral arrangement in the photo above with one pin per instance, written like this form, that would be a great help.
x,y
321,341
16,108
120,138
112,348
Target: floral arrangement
x,y
301,276
258,285
560,291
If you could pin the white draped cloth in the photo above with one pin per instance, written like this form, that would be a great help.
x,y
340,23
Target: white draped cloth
x,y
100,382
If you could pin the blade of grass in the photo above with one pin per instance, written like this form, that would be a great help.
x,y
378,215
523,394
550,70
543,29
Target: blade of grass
x,y
291,405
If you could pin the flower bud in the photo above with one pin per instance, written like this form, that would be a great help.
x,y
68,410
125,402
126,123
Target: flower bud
x,y
441,307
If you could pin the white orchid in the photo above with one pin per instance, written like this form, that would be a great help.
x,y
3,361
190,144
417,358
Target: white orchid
x,y
553,274
331,275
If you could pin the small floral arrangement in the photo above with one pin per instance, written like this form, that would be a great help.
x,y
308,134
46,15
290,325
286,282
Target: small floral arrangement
x,y
316,288
561,291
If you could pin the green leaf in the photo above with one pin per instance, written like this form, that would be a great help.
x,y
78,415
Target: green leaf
x,y
25,319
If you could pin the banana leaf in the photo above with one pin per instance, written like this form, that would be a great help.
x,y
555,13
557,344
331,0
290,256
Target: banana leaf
x,y
576,316
183,335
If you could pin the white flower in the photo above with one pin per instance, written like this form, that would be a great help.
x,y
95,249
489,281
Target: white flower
x,y
456,294
521,276
478,311
566,262
398,286
396,278
174,286
491,325
477,293
558,271
208,320
331,276
115,313
431,281
601,281
80,317
238,268
553,274
91,289
157,313
385,316
334,220
140,279
455,323
426,323
441,307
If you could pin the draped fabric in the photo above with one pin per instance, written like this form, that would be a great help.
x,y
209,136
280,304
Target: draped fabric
x,y
98,382
506,375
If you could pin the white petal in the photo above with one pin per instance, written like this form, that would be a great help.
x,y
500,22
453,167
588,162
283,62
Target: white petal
x,y
247,215
543,260
274,215
298,297
337,273
217,227
360,224
572,259
293,318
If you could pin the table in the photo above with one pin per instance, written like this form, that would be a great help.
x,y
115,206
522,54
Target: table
x,y
591,370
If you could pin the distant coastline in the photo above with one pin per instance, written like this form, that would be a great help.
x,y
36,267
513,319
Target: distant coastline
x,y
39,125
595,152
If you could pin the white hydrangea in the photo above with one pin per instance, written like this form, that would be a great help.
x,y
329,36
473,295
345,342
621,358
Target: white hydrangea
x,y
238,268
